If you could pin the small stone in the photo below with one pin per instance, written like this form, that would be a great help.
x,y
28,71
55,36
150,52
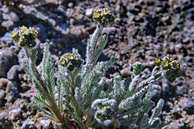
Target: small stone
x,y
45,123
89,12
12,74
7,24
6,124
3,115
3,83
28,124
7,38
7,59
63,28
180,90
12,92
15,114
2,95
126,72
11,16
188,105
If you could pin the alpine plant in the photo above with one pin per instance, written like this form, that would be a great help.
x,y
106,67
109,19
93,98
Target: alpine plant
x,y
73,94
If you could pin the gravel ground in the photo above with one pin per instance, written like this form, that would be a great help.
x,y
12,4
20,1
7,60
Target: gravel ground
x,y
142,31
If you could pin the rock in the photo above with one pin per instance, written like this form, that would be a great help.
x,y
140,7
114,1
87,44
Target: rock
x,y
10,16
7,59
6,124
3,83
12,74
126,72
12,92
62,28
188,105
2,95
180,90
3,115
7,38
15,114
28,124
108,30
89,12
46,124
7,24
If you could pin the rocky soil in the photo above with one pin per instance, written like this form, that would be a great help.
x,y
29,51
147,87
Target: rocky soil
x,y
142,31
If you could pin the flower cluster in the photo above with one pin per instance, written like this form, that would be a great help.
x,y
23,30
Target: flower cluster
x,y
103,16
171,67
25,36
167,63
70,60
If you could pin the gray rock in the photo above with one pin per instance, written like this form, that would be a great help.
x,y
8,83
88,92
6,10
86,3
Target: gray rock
x,y
89,11
181,90
7,38
188,105
3,83
3,115
7,59
62,27
12,92
7,24
46,124
11,17
2,95
15,114
6,124
12,74
28,124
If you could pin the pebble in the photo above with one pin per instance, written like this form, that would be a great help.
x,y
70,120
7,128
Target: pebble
x,y
11,17
15,114
3,83
12,74
12,92
3,115
6,124
126,71
2,95
28,124
89,11
45,123
180,90
7,59
7,24
7,38
188,105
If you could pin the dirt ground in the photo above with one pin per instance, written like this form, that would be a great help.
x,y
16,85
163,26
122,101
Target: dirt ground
x,y
142,31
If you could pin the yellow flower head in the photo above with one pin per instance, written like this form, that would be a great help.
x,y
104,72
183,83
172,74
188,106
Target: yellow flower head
x,y
70,60
103,15
167,62
175,64
157,61
25,36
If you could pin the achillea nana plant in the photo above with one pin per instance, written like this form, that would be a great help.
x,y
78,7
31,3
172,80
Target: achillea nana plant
x,y
76,98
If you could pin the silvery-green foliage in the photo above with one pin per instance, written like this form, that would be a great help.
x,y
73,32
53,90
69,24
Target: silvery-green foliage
x,y
77,95
132,102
